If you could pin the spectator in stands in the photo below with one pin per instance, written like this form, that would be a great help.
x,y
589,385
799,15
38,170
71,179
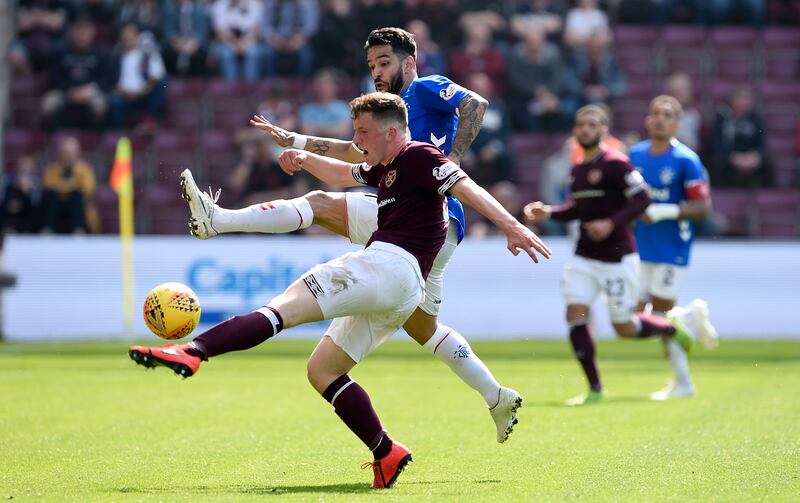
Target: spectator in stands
x,y
438,15
141,87
488,159
478,55
20,208
68,190
19,62
80,79
583,20
592,75
744,11
546,15
185,29
738,145
146,14
679,85
430,59
258,176
237,25
41,25
534,83
287,28
326,115
374,14
99,11
337,42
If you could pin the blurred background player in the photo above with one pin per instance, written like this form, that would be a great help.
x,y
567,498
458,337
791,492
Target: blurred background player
x,y
369,293
679,190
441,113
606,195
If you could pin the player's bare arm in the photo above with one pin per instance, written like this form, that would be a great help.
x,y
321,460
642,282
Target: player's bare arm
x,y
520,238
331,171
470,119
344,150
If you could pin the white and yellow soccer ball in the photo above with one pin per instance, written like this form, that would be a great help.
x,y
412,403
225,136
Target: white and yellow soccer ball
x,y
171,310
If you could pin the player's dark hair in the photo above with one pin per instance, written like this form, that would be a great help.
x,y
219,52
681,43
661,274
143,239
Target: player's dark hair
x,y
401,41
384,107
602,111
669,100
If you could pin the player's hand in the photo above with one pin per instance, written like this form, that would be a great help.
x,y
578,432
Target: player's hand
x,y
279,135
537,212
520,238
598,230
291,161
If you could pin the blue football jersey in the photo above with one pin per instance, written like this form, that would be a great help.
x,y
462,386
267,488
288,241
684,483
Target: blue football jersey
x,y
432,102
668,176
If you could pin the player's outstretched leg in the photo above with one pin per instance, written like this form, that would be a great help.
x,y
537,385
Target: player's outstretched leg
x,y
696,318
583,345
235,334
273,217
453,349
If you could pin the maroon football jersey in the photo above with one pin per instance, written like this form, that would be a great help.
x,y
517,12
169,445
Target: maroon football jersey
x,y
605,187
412,212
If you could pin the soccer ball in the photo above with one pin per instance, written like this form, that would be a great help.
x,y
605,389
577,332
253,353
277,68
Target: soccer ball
x,y
171,310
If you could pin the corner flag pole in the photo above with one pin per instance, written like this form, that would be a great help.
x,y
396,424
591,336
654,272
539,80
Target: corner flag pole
x,y
122,182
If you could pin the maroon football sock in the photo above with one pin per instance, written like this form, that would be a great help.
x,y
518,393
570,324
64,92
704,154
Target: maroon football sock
x,y
236,334
654,325
583,345
354,408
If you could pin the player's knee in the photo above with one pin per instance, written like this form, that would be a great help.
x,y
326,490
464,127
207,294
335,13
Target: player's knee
x,y
421,326
319,200
315,376
577,313
625,330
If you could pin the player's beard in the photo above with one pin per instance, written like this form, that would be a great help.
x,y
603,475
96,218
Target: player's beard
x,y
396,84
591,143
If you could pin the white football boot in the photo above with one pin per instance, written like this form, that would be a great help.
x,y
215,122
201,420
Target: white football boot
x,y
695,316
202,206
674,390
505,412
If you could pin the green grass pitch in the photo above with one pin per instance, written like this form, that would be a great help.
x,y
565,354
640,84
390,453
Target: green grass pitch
x,y
80,422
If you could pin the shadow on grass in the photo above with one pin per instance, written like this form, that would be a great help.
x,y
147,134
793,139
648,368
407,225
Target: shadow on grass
x,y
359,488
612,400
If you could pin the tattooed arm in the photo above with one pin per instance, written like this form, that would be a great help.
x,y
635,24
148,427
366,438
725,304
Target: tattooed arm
x,y
343,150
470,119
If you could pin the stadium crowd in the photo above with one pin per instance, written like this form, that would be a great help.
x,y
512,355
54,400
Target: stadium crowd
x,y
181,78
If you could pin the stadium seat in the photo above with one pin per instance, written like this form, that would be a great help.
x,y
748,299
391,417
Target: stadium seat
x,y
635,48
172,152
736,206
733,52
163,211
25,100
220,155
781,53
107,204
780,106
778,213
684,49
18,141
185,103
781,151
230,104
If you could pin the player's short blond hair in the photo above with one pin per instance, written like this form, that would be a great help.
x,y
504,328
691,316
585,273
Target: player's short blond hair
x,y
668,100
601,110
384,107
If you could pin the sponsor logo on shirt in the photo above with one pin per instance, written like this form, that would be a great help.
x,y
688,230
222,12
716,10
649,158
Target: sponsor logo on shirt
x,y
659,194
445,170
385,202
391,176
667,175
448,92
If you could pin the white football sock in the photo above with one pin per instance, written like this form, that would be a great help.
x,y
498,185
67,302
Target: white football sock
x,y
451,347
678,358
271,217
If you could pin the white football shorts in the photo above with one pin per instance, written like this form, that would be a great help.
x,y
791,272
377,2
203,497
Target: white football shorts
x,y
362,221
584,279
369,294
664,281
